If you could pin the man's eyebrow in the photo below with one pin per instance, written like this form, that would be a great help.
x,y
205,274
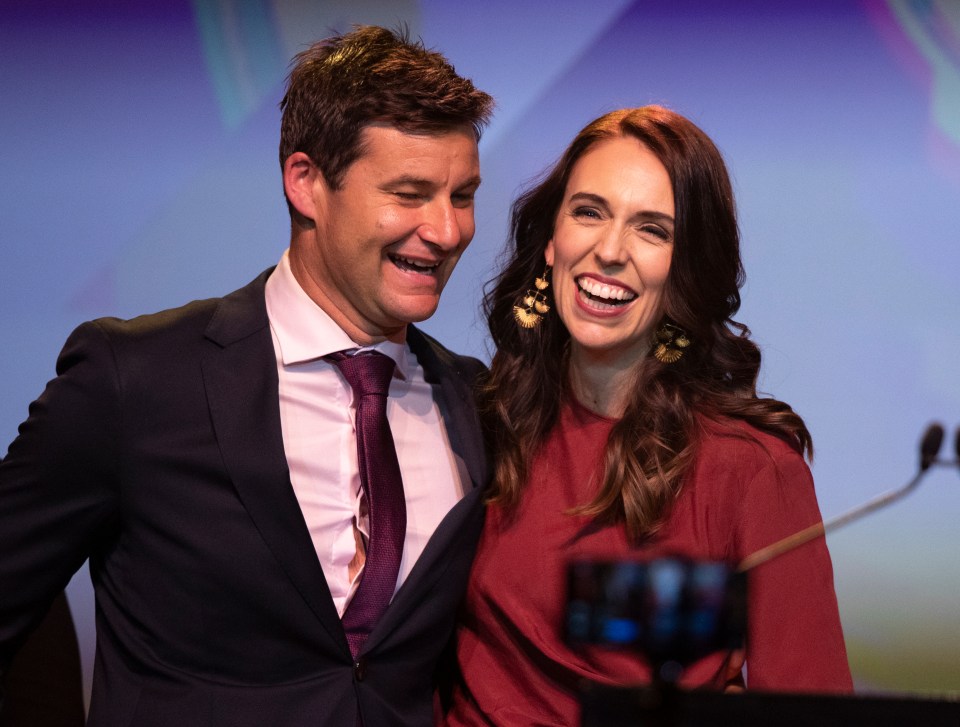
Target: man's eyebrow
x,y
421,182
408,179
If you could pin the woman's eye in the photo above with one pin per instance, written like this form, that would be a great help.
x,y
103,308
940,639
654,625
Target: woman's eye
x,y
588,212
656,231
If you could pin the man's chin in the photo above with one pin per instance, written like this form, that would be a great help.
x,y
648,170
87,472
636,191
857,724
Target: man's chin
x,y
413,309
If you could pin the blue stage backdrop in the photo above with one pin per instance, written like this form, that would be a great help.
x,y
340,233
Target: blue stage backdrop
x,y
139,170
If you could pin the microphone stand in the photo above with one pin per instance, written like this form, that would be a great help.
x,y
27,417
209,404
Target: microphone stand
x,y
930,445
822,528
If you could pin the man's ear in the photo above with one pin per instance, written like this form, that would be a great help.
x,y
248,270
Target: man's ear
x,y
300,175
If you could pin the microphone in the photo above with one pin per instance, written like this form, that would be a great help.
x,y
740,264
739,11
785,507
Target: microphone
x,y
932,439
929,448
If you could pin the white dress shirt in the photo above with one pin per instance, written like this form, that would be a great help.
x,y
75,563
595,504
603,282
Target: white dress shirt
x,y
317,418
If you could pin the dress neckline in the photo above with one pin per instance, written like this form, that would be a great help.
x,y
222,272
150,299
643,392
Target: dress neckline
x,y
581,411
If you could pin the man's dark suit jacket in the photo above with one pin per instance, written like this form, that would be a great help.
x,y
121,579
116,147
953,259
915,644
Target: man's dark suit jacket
x,y
157,453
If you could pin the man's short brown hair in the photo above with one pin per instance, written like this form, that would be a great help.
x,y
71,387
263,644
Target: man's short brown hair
x,y
344,83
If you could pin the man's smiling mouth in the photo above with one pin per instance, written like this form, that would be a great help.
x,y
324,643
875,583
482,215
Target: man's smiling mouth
x,y
415,266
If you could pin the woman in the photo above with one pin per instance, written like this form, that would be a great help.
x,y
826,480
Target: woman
x,y
624,421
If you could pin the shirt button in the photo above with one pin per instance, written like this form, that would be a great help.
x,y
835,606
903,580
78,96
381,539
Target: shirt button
x,y
360,669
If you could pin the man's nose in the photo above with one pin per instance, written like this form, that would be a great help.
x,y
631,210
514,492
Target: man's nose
x,y
442,224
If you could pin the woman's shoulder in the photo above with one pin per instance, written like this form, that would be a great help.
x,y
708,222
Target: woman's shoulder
x,y
761,485
724,434
729,447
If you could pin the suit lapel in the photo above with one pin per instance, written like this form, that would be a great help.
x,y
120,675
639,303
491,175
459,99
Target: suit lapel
x,y
457,530
240,377
456,404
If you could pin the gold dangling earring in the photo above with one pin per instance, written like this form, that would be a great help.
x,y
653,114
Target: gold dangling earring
x,y
534,303
671,342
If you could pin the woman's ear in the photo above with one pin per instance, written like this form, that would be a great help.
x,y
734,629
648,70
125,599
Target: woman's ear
x,y
548,253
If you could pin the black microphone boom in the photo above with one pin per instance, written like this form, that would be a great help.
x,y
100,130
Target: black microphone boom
x,y
929,447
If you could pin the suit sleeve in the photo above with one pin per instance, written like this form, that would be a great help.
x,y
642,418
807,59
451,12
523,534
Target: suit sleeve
x,y
58,495
794,637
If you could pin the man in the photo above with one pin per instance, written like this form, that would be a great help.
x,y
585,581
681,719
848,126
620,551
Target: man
x,y
44,685
205,458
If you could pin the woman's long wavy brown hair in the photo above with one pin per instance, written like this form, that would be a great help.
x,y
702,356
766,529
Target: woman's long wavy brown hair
x,y
653,444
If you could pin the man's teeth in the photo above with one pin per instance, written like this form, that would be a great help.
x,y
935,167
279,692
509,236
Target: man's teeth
x,y
604,292
422,267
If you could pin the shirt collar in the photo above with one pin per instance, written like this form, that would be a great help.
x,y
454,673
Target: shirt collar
x,y
304,331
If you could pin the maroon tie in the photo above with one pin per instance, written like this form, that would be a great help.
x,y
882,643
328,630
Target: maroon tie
x,y
369,375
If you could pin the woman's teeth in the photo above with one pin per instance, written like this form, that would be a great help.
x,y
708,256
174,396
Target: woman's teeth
x,y
603,293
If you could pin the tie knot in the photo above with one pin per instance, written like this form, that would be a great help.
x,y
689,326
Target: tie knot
x,y
367,373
